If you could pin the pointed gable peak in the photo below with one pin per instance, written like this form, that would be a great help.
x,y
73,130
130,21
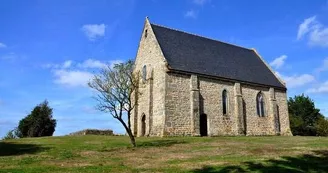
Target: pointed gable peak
x,y
147,20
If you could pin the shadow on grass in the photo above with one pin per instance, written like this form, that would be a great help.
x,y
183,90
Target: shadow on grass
x,y
160,143
316,162
11,149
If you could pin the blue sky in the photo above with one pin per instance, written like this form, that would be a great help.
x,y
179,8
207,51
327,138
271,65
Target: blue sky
x,y
49,49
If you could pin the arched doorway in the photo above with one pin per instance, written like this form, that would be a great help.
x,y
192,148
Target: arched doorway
x,y
143,125
203,124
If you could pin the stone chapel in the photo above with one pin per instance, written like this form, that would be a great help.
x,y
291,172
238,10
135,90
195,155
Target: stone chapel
x,y
191,85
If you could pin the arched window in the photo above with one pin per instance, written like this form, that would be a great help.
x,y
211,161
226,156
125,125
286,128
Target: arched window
x,y
144,73
224,102
260,105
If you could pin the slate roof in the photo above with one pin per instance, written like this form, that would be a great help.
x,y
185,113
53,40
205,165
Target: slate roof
x,y
191,53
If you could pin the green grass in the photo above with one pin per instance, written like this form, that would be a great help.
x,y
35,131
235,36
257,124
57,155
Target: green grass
x,y
176,154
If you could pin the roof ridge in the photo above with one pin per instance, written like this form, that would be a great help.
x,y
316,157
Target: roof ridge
x,y
200,36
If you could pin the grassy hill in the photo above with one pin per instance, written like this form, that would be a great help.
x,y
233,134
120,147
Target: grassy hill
x,y
180,154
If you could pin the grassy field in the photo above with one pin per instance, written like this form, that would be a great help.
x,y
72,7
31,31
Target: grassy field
x,y
183,154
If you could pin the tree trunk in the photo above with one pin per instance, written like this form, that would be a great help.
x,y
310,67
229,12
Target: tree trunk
x,y
132,139
129,122
128,130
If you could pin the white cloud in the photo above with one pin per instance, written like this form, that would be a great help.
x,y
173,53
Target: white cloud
x,y
317,33
67,64
91,63
323,88
279,62
12,57
305,27
2,45
191,14
296,80
9,57
72,78
324,66
94,31
200,2
319,37
71,74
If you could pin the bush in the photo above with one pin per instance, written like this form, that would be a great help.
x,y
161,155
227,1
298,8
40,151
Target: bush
x,y
10,135
93,132
38,123
322,127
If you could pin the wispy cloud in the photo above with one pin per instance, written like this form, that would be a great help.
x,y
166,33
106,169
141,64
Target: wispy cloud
x,y
191,14
12,57
297,80
324,66
74,74
200,2
316,32
66,64
322,88
92,63
306,26
2,45
72,78
94,31
279,62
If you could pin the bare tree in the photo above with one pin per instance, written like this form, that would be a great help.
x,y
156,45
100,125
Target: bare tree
x,y
115,87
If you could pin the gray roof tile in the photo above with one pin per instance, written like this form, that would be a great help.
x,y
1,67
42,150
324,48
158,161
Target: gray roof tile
x,y
196,54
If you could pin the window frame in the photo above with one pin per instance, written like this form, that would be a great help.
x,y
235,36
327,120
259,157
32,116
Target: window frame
x,y
144,73
225,102
146,33
260,105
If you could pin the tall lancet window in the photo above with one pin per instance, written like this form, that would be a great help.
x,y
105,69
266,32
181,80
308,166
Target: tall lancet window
x,y
260,105
144,73
224,102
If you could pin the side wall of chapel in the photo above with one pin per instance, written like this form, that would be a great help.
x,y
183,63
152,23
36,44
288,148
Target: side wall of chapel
x,y
189,96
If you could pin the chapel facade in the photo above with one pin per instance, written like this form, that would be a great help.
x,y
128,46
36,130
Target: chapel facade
x,y
191,85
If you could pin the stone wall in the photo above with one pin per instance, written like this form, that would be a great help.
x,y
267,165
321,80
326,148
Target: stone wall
x,y
241,117
256,125
151,92
282,112
92,132
177,105
211,105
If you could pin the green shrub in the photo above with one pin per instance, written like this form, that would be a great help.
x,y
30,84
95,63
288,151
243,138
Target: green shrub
x,y
10,135
38,123
322,127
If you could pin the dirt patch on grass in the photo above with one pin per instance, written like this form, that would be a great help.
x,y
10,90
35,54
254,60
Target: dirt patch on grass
x,y
89,153
66,163
198,165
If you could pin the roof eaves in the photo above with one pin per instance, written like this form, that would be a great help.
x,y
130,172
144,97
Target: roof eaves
x,y
224,79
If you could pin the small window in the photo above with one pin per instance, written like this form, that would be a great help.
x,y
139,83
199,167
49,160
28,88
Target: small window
x,y
144,73
260,105
146,33
224,101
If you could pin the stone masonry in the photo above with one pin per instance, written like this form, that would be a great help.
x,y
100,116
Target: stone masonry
x,y
172,103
